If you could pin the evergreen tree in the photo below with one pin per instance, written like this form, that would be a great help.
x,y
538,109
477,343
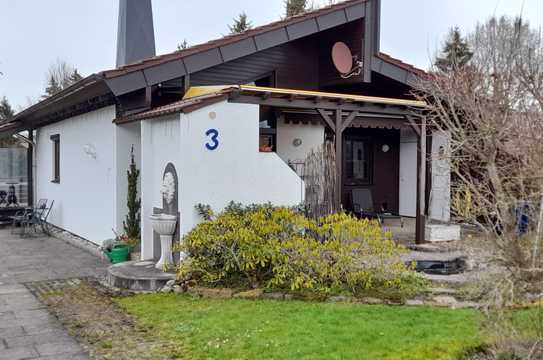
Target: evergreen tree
x,y
241,24
456,52
184,45
6,111
132,222
295,7
52,88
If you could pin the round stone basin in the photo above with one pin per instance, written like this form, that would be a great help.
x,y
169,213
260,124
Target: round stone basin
x,y
164,224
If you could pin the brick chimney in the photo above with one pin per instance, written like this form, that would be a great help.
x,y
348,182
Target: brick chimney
x,y
135,35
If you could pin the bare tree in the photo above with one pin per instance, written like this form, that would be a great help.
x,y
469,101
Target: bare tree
x,y
492,107
60,76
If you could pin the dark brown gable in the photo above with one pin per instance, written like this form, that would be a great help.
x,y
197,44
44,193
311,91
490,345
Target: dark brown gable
x,y
195,59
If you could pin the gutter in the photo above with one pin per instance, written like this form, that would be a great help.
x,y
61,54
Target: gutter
x,y
86,82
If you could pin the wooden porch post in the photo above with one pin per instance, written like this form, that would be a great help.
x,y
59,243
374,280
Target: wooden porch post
x,y
421,185
30,169
339,157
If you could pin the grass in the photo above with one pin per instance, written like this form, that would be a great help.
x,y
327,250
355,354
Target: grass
x,y
243,329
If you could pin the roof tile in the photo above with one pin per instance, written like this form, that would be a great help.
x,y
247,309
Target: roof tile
x,y
228,39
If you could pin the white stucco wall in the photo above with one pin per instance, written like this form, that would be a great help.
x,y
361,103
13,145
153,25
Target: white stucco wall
x,y
440,195
408,173
85,200
161,145
235,171
312,136
125,136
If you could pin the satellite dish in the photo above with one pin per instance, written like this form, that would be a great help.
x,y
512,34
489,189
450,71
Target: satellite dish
x,y
343,60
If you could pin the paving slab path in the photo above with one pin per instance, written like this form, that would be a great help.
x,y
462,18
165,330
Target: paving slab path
x,y
27,330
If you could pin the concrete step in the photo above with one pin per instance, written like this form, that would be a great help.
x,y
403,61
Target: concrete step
x,y
137,276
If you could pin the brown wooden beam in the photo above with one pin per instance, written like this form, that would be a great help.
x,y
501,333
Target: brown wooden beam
x,y
327,119
349,120
149,97
421,185
413,124
30,169
339,156
367,42
299,103
186,82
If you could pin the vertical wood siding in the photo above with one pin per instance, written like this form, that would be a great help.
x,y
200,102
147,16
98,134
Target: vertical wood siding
x,y
302,64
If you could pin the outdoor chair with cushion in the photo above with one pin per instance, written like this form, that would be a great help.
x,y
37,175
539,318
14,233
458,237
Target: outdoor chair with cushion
x,y
363,207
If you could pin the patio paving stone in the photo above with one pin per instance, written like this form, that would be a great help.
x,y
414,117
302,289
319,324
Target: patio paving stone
x,y
27,330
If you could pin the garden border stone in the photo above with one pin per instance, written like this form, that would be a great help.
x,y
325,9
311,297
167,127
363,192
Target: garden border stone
x,y
443,301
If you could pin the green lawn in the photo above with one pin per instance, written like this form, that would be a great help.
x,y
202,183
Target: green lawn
x,y
242,329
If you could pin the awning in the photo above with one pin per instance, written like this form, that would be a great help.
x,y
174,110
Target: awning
x,y
365,106
300,94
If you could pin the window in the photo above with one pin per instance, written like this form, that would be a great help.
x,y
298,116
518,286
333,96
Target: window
x,y
268,129
358,167
56,158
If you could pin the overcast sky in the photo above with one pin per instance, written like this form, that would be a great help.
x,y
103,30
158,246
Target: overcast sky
x,y
35,33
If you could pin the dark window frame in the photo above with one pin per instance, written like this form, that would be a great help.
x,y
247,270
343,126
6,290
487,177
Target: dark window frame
x,y
56,158
369,155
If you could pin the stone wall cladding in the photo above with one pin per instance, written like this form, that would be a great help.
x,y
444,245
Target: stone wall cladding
x,y
76,241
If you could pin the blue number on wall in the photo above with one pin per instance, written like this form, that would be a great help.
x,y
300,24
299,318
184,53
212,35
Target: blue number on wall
x,y
213,135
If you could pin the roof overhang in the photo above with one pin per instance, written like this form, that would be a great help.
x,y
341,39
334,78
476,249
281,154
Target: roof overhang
x,y
367,106
85,95
200,57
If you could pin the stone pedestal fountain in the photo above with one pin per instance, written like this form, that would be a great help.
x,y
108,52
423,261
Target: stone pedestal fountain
x,y
165,226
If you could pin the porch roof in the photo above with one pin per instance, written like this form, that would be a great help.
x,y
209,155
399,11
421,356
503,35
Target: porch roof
x,y
269,92
201,96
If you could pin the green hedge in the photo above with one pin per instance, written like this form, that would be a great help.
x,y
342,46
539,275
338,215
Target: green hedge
x,y
279,248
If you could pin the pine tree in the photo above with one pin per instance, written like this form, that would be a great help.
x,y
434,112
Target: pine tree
x,y
132,222
456,52
52,88
6,111
295,7
241,24
183,46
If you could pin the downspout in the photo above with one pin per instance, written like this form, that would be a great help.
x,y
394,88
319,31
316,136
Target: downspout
x,y
30,141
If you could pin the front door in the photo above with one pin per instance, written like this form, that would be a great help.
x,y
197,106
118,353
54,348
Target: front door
x,y
357,165
371,161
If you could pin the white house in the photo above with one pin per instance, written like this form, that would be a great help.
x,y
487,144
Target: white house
x,y
229,120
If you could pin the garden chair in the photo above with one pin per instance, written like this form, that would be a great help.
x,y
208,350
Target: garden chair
x,y
30,217
43,219
363,207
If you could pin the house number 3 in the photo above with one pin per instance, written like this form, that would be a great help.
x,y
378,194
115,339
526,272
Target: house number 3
x,y
213,143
